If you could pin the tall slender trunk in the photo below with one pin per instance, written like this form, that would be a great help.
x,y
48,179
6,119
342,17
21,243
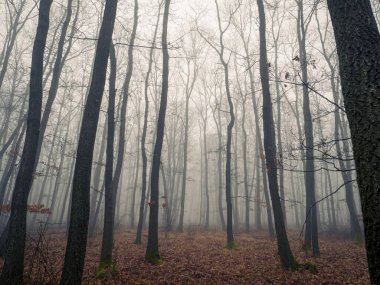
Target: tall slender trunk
x,y
286,255
12,272
258,190
152,254
205,154
143,137
58,66
107,241
259,141
184,172
123,111
311,231
80,200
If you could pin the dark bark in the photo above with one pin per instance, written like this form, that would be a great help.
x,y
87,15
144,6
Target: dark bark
x,y
167,217
260,148
311,231
12,272
230,235
123,111
152,254
286,255
143,137
58,65
80,200
358,45
107,241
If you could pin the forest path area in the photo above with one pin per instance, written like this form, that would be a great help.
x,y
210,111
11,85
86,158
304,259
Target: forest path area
x,y
201,258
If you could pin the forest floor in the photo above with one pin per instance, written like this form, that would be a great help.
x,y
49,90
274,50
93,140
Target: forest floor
x,y
201,258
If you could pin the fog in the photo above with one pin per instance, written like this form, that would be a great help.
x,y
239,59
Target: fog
x,y
205,40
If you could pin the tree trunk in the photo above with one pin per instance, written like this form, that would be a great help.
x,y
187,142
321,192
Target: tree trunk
x,y
58,65
205,154
311,232
358,45
123,111
107,241
184,173
143,137
152,254
80,200
12,272
286,255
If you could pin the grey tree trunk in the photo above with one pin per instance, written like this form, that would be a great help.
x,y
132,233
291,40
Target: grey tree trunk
x,y
311,231
123,111
107,241
152,254
286,255
143,137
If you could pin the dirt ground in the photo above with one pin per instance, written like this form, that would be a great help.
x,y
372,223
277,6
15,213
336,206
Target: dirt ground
x,y
201,258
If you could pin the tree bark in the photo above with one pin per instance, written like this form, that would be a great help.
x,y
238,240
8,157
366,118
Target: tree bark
x,y
358,45
152,254
12,272
107,241
123,111
286,255
80,200
143,136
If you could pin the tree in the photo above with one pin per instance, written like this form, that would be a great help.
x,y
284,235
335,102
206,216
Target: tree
x,y
16,23
191,76
284,250
12,272
123,111
144,133
60,59
311,232
107,241
344,163
358,45
80,200
260,153
152,254
221,53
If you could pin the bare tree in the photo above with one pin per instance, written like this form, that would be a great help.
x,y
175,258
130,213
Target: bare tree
x,y
152,254
12,272
221,53
144,134
286,255
80,200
